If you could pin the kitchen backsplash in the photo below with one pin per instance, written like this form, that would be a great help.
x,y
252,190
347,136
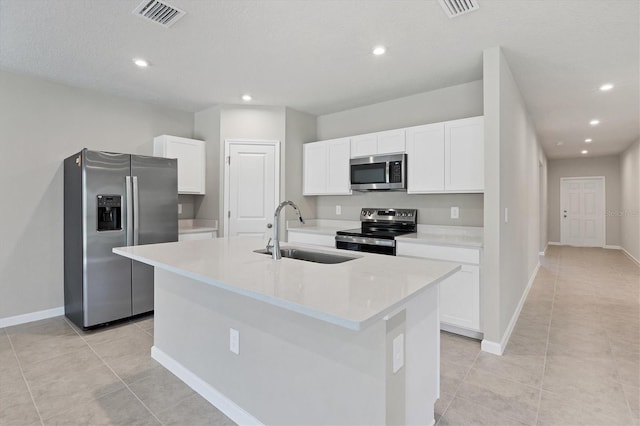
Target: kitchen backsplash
x,y
433,209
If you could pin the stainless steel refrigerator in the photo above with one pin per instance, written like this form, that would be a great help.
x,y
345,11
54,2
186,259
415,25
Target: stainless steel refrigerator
x,y
114,200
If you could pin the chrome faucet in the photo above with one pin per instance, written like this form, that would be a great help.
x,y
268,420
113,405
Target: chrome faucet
x,y
276,227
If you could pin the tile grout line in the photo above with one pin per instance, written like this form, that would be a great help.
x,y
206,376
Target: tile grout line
x,y
546,349
455,393
116,374
24,378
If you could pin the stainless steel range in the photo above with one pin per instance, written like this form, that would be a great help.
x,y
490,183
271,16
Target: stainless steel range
x,y
378,230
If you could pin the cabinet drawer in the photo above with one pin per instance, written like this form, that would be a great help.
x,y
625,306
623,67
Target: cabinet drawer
x,y
451,254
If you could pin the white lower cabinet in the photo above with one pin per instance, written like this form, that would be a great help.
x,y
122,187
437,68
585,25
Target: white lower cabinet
x,y
196,236
460,298
460,293
311,238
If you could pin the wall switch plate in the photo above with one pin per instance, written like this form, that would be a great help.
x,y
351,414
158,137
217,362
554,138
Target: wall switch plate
x,y
179,208
455,212
234,341
398,353
338,210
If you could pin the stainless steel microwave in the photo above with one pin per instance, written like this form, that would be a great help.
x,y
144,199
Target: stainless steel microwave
x,y
379,172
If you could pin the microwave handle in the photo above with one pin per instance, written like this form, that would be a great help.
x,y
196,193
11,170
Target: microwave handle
x,y
388,171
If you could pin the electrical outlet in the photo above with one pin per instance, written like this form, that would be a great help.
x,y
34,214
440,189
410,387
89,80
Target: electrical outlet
x,y
506,215
398,353
338,210
179,208
455,213
234,341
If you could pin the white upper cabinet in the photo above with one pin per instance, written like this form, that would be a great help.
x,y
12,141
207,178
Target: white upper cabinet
x,y
191,161
326,167
425,159
391,141
464,155
446,157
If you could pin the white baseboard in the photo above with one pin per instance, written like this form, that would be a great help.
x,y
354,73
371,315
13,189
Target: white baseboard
x,y
609,247
630,256
208,392
498,348
32,316
544,251
491,347
554,243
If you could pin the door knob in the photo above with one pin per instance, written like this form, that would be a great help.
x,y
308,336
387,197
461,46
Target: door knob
x,y
269,225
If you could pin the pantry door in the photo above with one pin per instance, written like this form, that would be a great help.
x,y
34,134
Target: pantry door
x,y
252,182
582,212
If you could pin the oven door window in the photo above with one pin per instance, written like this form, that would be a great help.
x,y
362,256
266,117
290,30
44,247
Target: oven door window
x,y
369,173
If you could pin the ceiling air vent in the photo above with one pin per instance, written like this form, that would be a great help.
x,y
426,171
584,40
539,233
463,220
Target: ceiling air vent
x,y
454,8
159,12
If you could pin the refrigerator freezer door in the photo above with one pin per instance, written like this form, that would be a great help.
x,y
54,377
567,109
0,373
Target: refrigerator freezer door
x,y
107,276
156,213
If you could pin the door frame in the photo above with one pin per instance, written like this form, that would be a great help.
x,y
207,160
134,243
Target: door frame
x,y
227,148
604,206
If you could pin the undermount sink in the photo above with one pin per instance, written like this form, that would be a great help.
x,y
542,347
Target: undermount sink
x,y
310,255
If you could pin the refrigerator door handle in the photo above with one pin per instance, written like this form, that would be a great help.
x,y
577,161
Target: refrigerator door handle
x,y
136,212
129,205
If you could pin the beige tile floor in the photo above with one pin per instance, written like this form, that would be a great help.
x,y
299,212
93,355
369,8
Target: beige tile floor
x,y
573,359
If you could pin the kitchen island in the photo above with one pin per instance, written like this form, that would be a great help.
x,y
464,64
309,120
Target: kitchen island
x,y
296,342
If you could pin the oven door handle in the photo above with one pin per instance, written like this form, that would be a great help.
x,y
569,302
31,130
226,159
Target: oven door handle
x,y
365,240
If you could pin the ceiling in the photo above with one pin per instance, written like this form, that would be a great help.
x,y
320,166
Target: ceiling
x,y
315,55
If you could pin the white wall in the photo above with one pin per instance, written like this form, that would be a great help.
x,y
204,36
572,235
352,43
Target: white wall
x,y
300,128
450,103
512,181
207,128
217,124
630,194
609,167
41,123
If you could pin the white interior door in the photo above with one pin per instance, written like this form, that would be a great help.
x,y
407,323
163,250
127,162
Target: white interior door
x,y
252,187
582,211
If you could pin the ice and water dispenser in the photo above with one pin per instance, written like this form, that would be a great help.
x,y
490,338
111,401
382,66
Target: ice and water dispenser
x,y
109,212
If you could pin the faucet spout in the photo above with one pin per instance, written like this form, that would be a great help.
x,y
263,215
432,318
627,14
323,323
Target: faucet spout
x,y
276,226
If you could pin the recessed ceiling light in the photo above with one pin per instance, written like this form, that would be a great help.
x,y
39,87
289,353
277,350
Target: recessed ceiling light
x,y
560,143
594,122
141,63
246,98
588,140
606,87
584,151
379,50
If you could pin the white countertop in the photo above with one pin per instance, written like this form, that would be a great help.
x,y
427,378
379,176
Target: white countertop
x,y
352,294
191,226
455,236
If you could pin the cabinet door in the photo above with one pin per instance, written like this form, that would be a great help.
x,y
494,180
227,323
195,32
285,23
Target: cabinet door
x,y
338,171
364,145
315,168
191,161
425,159
464,155
392,141
460,298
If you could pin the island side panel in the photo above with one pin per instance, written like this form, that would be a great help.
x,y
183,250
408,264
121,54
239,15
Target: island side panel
x,y
291,369
422,357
